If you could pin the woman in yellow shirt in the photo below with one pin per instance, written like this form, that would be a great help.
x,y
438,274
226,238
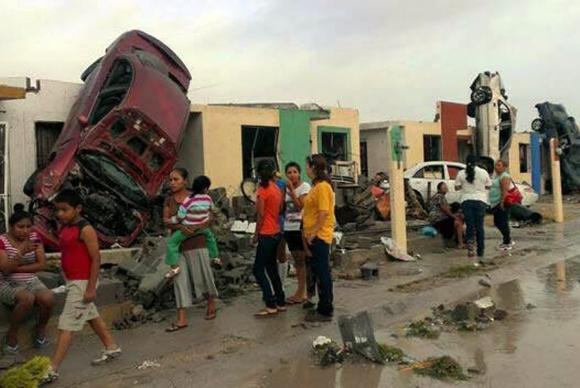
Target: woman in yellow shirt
x,y
318,229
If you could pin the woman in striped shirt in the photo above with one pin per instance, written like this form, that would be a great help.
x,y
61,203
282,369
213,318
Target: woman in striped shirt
x,y
21,256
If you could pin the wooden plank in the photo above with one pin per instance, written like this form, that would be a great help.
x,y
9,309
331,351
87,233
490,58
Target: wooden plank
x,y
12,93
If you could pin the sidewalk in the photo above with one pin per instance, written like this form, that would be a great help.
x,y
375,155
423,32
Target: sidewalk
x,y
236,350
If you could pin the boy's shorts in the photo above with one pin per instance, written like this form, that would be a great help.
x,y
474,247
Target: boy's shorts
x,y
75,312
8,290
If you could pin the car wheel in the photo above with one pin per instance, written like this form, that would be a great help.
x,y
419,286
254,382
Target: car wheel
x,y
481,95
538,125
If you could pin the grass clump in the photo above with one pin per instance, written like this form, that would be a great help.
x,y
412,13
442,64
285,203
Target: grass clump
x,y
391,353
27,375
441,368
422,329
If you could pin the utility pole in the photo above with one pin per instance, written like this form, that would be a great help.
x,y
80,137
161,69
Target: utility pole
x,y
397,187
556,181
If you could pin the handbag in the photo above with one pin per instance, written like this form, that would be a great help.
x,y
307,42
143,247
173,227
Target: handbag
x,y
513,196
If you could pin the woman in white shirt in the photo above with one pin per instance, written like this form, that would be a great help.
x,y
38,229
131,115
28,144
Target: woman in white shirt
x,y
296,190
473,183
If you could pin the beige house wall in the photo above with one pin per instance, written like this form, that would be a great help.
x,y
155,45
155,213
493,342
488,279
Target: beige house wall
x,y
514,158
413,132
222,140
213,141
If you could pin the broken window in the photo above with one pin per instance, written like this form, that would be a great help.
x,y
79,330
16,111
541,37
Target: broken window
x,y
505,126
118,128
46,135
113,91
258,143
525,156
137,145
364,164
334,146
431,148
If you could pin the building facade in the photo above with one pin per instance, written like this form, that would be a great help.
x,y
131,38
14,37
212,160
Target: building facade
x,y
33,124
226,142
448,138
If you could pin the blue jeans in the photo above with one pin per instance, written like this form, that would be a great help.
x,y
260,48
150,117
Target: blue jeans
x,y
320,265
474,213
266,261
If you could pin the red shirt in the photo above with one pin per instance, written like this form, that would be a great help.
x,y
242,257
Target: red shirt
x,y
272,198
75,259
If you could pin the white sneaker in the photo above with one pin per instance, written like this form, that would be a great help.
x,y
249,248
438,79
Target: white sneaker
x,y
506,247
106,356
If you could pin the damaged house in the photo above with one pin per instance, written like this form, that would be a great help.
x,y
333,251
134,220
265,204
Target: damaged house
x,y
226,141
448,138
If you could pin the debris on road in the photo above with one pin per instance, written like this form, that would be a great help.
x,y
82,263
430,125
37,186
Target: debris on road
x,y
29,374
147,364
441,368
358,336
394,251
423,329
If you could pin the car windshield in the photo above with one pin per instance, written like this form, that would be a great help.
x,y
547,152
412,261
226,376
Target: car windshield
x,y
113,177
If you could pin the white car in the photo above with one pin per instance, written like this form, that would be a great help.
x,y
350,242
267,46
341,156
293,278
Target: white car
x,y
424,178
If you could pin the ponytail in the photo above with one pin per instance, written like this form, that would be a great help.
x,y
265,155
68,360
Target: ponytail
x,y
470,170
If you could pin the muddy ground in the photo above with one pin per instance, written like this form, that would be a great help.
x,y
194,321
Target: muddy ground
x,y
238,351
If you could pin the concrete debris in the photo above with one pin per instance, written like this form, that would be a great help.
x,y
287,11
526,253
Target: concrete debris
x,y
369,271
147,364
485,304
358,336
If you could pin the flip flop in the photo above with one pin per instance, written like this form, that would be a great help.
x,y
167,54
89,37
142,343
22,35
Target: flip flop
x,y
292,301
210,317
281,309
265,313
175,327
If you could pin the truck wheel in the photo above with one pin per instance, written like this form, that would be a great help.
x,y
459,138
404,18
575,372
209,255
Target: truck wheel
x,y
538,125
481,95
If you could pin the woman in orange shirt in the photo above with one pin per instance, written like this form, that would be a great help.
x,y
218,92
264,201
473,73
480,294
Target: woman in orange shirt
x,y
318,229
268,207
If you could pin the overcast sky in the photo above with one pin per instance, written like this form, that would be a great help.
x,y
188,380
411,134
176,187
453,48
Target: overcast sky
x,y
390,59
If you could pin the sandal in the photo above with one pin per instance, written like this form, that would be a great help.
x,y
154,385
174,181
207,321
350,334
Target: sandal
x,y
292,300
210,316
265,313
281,309
175,327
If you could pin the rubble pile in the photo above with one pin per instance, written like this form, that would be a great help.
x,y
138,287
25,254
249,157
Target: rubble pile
x,y
469,316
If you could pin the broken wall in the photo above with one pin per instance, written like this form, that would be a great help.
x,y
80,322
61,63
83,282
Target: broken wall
x,y
51,103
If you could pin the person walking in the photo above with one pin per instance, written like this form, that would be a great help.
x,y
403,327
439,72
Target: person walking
x,y
473,183
295,193
81,265
318,229
500,201
268,207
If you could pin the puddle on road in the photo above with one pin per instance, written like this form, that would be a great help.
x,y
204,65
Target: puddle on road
x,y
536,346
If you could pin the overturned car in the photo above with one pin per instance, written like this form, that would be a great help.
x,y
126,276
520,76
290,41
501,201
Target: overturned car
x,y
120,140
555,123
495,117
